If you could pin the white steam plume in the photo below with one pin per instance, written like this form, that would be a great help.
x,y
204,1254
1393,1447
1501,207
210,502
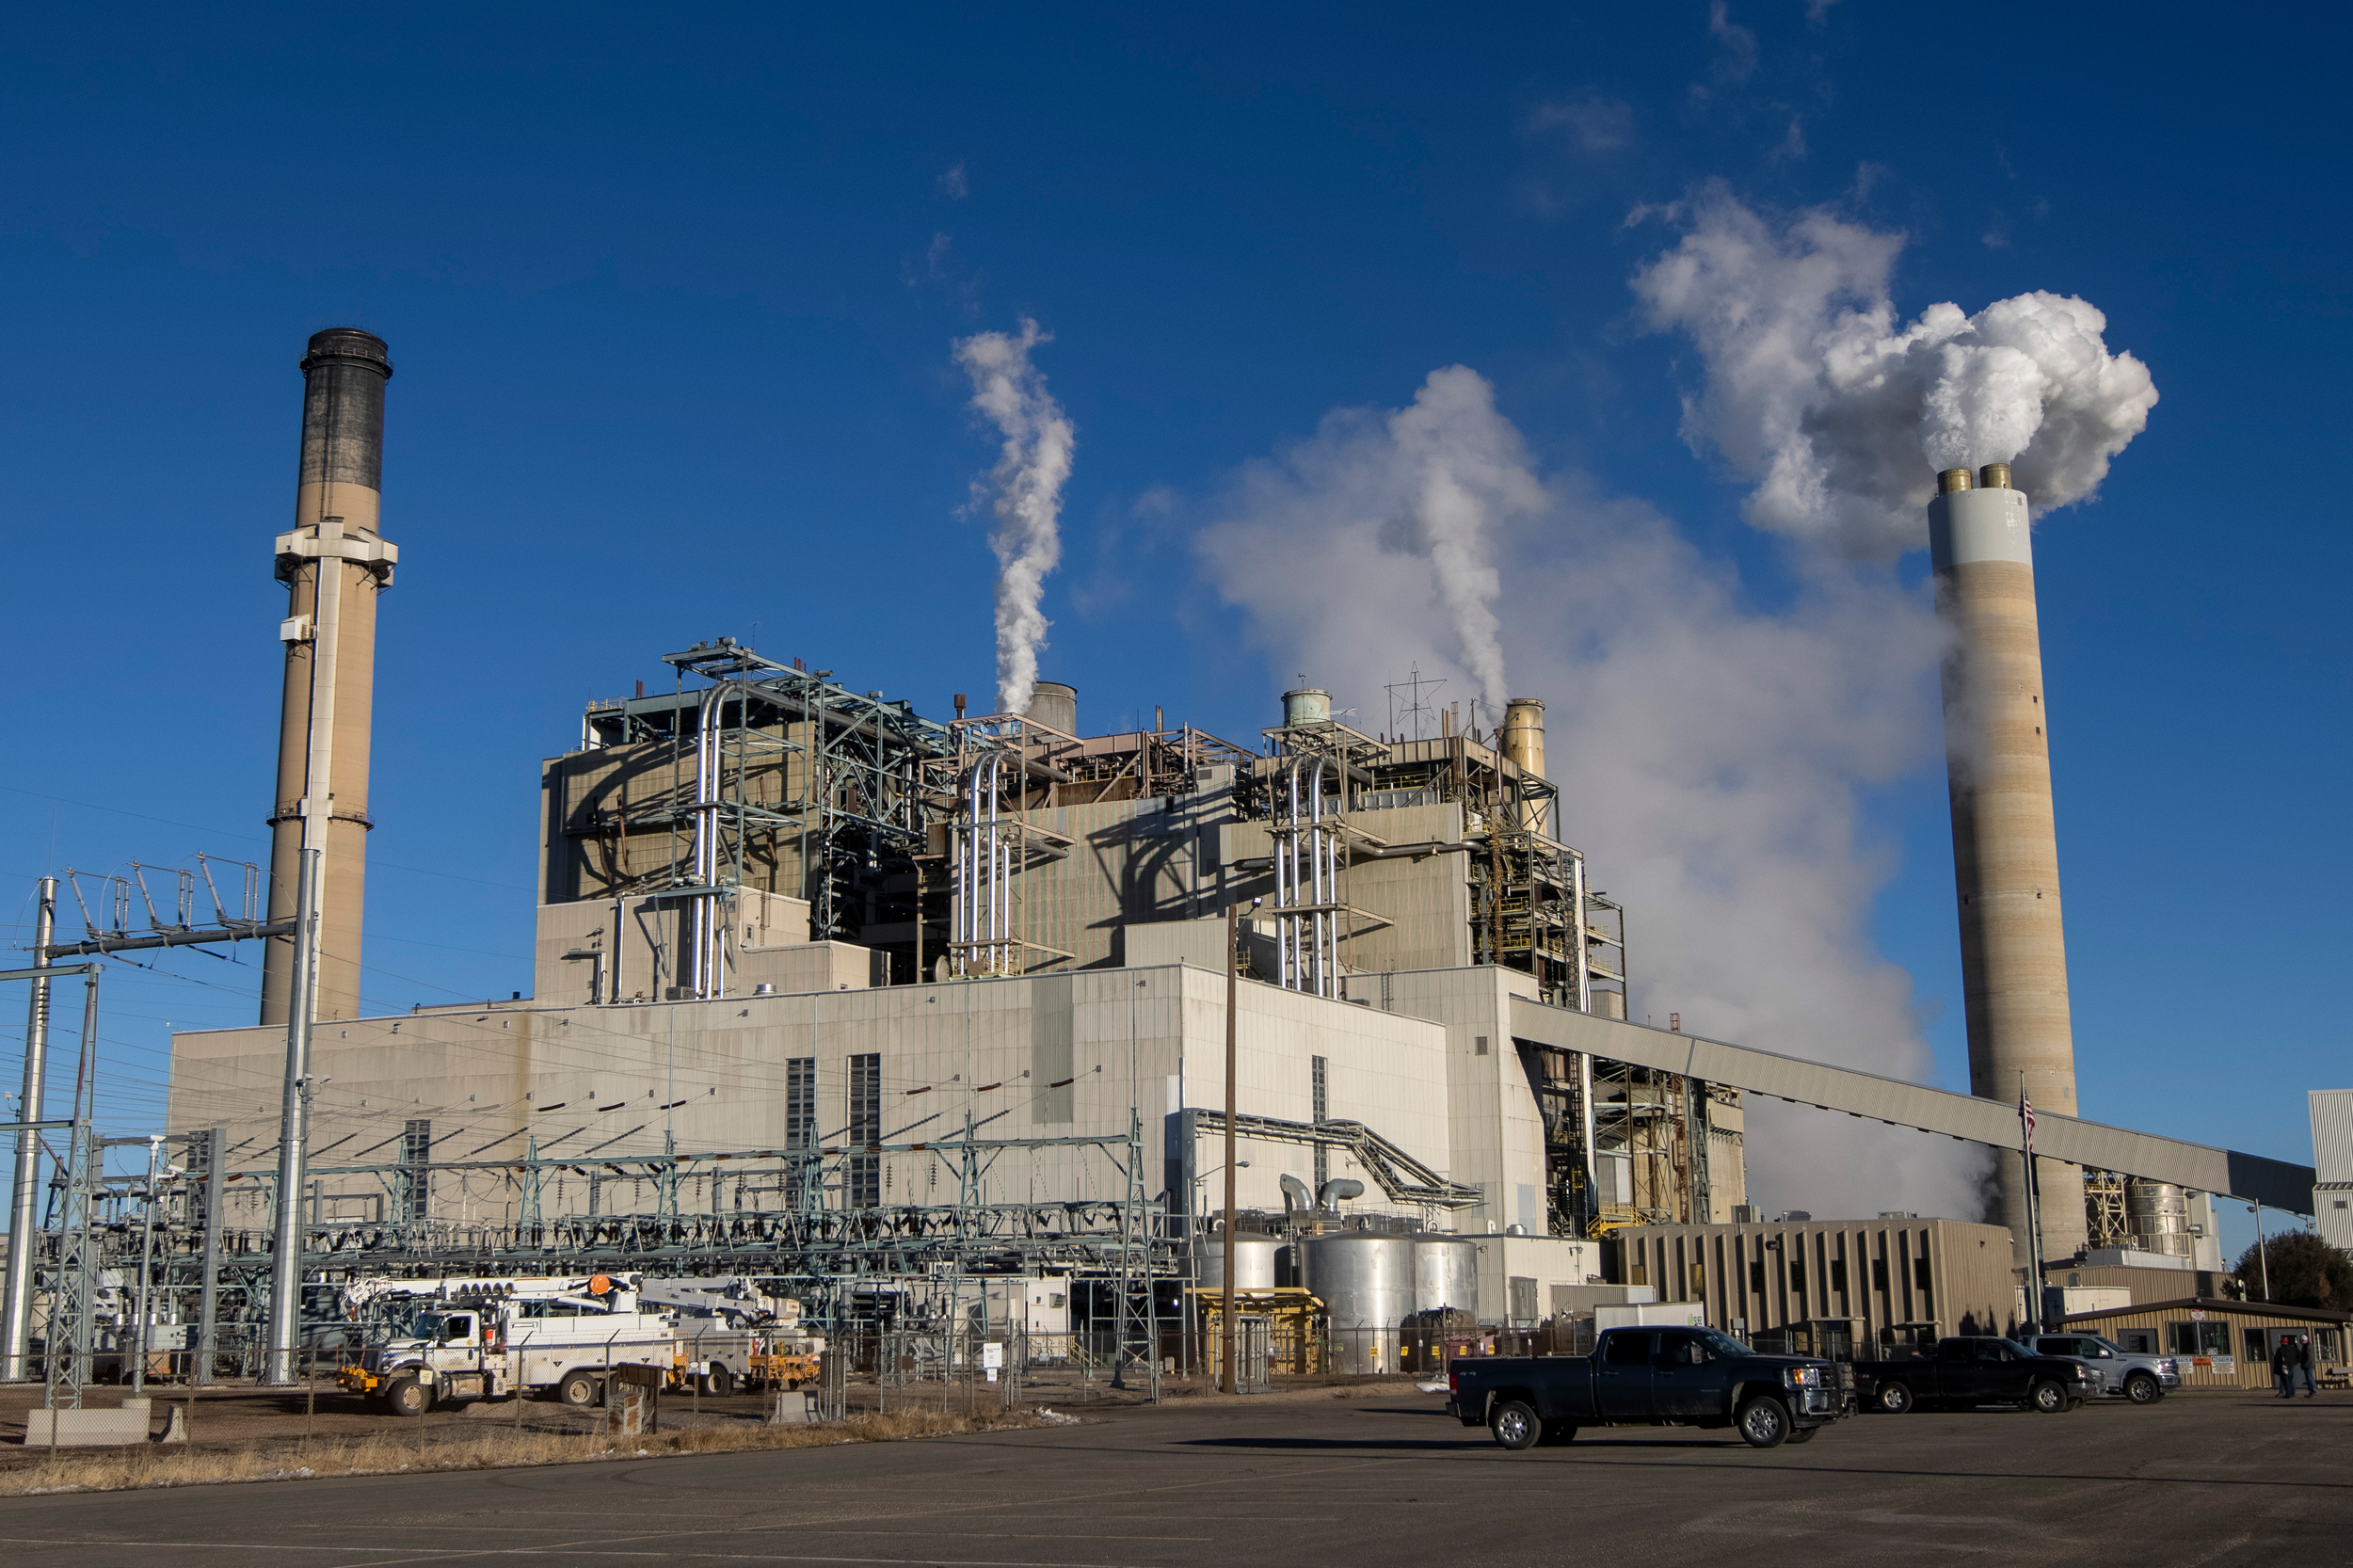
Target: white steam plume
x,y
1711,756
1841,415
1426,488
1027,479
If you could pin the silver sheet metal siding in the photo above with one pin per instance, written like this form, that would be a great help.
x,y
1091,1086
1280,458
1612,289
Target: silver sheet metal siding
x,y
2333,1164
2273,1182
1870,1273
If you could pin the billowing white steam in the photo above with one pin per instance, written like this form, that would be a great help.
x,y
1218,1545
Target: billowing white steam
x,y
1427,488
1463,473
1027,483
1842,415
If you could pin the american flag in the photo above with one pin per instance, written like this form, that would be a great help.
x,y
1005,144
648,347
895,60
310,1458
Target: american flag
x,y
2025,1116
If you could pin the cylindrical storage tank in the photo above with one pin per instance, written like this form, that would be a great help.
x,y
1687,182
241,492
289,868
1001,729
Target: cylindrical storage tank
x,y
1366,1282
1055,706
1307,705
1446,1275
1254,1262
2157,1215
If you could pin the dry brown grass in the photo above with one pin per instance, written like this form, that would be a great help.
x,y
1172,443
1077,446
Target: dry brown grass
x,y
391,1452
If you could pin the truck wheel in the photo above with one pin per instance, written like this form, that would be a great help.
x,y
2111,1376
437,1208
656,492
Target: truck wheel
x,y
2046,1398
578,1389
407,1397
1516,1425
1895,1397
2144,1389
719,1383
1763,1422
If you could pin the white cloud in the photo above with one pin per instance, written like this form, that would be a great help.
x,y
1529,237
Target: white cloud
x,y
953,184
1591,124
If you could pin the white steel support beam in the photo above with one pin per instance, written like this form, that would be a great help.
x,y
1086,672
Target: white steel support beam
x,y
2273,1183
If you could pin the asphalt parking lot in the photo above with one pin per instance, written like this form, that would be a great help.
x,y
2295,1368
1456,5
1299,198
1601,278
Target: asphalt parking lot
x,y
2203,1479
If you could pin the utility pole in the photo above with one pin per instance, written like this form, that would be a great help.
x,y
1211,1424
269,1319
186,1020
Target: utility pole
x,y
293,1127
1233,1006
147,1265
16,1309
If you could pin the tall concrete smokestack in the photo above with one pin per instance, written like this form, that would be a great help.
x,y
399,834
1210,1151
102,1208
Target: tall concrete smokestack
x,y
2013,952
330,662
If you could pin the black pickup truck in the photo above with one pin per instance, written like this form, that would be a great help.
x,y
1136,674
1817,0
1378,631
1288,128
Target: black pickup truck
x,y
1647,1377
1974,1370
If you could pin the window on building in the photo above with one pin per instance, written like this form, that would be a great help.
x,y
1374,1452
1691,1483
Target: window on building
x,y
800,1102
1839,1276
2139,1341
2186,1337
864,1174
415,1190
1878,1275
1322,1107
1756,1279
1523,1293
1920,1273
2255,1349
1796,1279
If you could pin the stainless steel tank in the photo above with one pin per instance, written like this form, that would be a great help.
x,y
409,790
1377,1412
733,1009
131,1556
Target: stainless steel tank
x,y
1366,1283
1254,1262
1307,705
2157,1215
1446,1275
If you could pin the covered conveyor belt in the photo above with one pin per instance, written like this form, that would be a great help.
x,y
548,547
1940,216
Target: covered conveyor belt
x,y
2274,1183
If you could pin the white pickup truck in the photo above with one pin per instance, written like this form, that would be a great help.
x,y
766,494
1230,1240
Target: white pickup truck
x,y
442,1341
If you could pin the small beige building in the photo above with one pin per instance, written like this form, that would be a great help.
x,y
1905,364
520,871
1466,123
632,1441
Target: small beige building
x,y
2220,1344
1932,1276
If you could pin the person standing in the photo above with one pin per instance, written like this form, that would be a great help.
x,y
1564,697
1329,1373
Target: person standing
x,y
2281,1378
2304,1366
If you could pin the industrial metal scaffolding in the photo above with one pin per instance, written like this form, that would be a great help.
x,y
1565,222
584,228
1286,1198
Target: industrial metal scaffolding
x,y
768,776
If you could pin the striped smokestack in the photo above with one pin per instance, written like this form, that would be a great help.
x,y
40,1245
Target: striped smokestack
x,y
2013,952
330,662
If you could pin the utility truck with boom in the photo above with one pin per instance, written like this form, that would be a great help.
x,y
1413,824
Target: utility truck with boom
x,y
450,1340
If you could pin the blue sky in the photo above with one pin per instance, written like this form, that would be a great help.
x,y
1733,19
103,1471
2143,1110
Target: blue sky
x,y
671,302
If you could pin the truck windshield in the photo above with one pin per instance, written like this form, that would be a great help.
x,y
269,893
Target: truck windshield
x,y
424,1325
1723,1344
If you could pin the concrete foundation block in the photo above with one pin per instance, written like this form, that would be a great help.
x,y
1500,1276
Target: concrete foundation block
x,y
73,1428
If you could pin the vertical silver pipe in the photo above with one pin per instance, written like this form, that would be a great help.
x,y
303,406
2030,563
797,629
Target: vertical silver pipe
x,y
16,1309
997,903
1315,848
294,1131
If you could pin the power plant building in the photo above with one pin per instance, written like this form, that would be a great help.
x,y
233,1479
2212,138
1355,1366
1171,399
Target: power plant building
x,y
783,917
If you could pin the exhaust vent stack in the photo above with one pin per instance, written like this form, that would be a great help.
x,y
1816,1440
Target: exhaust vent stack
x,y
2013,952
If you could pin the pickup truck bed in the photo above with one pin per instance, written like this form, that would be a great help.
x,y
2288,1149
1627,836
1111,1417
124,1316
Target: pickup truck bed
x,y
1648,1377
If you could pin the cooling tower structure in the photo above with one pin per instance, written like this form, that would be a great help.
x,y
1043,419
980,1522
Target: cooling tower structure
x,y
2013,952
330,665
